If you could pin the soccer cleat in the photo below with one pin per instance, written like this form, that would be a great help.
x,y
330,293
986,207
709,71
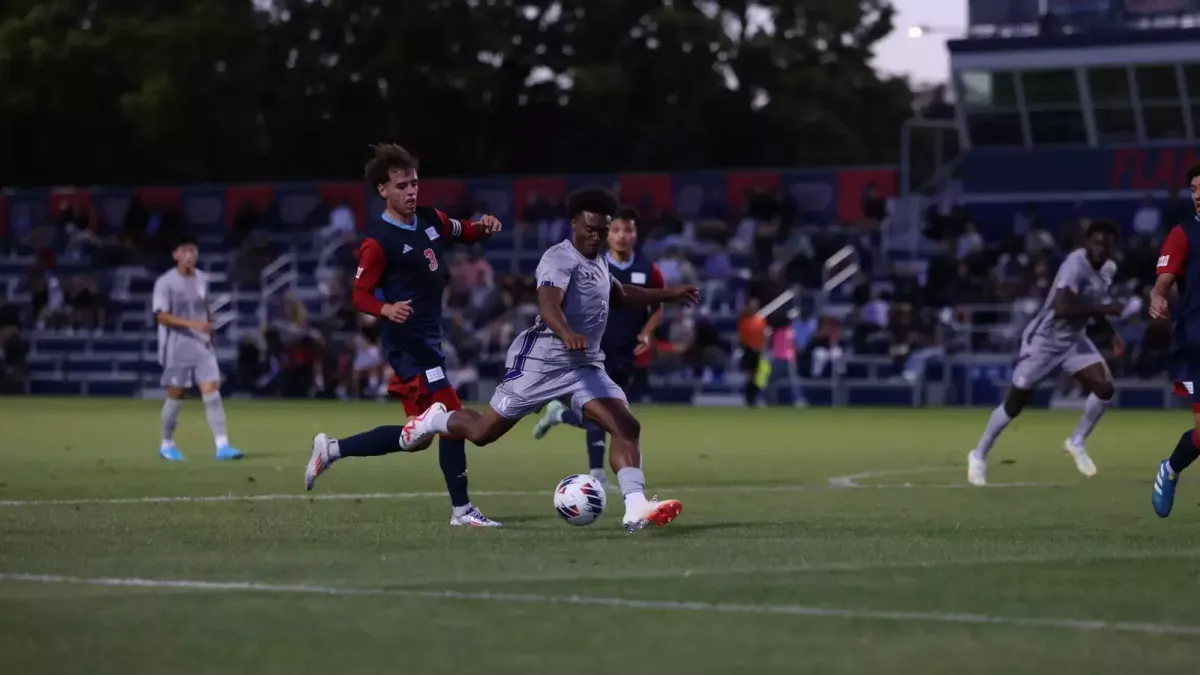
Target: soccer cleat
x,y
319,462
659,513
417,432
1164,490
473,518
171,454
226,452
551,419
976,470
1079,453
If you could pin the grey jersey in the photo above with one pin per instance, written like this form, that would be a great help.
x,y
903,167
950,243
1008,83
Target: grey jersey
x,y
586,285
185,297
1075,274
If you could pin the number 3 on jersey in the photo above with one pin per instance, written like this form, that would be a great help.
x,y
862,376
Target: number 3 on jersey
x,y
432,258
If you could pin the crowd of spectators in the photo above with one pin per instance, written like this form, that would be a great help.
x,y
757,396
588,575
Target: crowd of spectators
x,y
316,345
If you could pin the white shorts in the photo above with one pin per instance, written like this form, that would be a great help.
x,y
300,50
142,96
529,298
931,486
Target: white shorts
x,y
191,375
529,391
1038,360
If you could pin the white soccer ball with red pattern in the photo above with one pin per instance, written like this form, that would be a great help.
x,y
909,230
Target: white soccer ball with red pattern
x,y
579,499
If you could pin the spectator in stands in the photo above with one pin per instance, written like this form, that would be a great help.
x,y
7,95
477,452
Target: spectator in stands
x,y
13,350
293,326
824,349
783,359
341,227
969,242
676,268
751,339
874,206
89,310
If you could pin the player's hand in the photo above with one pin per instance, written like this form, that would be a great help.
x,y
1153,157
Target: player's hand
x,y
1118,345
688,295
490,224
643,344
574,343
397,312
1159,307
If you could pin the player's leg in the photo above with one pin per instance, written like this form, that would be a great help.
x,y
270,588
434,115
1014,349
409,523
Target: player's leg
x,y
1187,449
1032,366
1088,368
381,440
169,418
512,400
600,400
596,434
208,375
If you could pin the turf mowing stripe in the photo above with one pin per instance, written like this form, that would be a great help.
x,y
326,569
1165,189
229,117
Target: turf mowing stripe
x,y
837,482
625,603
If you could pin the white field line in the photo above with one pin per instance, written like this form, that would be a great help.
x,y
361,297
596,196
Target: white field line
x,y
619,602
837,482
808,568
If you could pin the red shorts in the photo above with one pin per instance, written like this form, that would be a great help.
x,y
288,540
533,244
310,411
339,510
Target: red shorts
x,y
416,396
1188,390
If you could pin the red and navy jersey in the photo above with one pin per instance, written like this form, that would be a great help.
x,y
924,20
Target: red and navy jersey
x,y
1174,259
407,261
626,323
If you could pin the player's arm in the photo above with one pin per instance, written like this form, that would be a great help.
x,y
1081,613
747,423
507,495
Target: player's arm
x,y
1171,262
625,295
655,320
553,278
161,304
1068,305
371,262
468,230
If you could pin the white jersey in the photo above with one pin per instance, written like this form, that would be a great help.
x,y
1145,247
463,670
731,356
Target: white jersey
x,y
1077,275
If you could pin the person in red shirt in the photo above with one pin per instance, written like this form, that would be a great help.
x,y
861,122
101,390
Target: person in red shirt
x,y
403,259
1175,271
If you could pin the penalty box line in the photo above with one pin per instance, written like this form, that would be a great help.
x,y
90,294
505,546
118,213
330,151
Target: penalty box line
x,y
618,602
849,481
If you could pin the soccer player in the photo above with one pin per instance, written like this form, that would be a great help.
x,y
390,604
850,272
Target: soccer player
x,y
560,357
185,349
628,335
1055,338
1175,269
402,257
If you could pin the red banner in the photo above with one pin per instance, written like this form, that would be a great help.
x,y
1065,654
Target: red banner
x,y
526,190
256,196
646,190
445,194
739,184
79,200
353,195
853,186
159,197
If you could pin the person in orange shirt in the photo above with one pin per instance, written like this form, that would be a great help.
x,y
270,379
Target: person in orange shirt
x,y
752,330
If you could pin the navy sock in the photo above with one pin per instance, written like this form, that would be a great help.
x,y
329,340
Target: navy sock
x,y
595,445
452,457
1185,453
378,441
573,418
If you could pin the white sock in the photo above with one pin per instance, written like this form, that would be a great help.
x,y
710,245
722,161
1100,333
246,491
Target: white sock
x,y
221,441
333,449
633,485
439,422
460,511
995,425
1093,410
167,443
598,474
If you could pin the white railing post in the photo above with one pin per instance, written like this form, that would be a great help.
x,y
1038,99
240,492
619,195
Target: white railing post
x,y
281,274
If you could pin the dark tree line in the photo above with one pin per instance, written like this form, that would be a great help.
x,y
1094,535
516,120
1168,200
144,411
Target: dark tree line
x,y
158,91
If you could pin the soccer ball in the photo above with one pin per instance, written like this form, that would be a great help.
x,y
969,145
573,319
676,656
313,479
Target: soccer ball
x,y
579,499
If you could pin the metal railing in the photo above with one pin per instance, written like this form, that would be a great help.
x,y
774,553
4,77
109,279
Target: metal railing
x,y
281,275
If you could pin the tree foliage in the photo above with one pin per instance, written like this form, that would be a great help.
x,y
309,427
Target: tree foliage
x,y
97,91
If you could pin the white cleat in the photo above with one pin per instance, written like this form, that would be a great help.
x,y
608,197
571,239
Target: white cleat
x,y
416,432
976,470
473,518
659,513
1078,452
319,462
551,419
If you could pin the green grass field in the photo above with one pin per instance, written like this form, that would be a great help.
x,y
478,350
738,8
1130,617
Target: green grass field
x,y
830,541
